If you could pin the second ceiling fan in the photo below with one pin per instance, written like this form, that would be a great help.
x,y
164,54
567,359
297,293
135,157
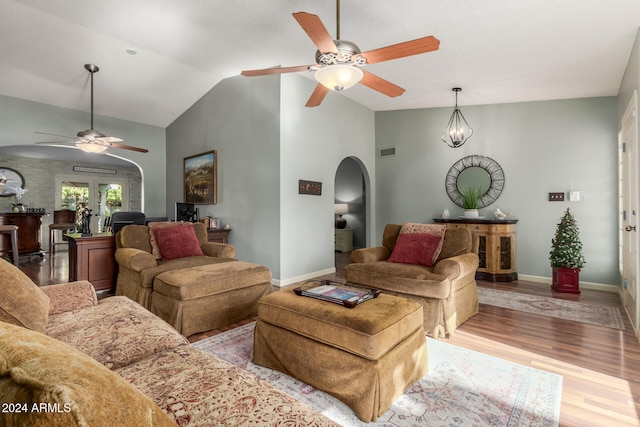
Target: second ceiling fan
x,y
339,62
90,140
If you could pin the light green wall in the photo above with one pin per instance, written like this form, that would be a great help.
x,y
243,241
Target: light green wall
x,y
266,141
313,143
240,119
543,147
20,118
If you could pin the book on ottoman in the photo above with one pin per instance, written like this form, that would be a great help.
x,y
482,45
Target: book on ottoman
x,y
335,292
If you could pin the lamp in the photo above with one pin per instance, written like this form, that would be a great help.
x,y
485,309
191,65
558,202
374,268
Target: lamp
x,y
339,76
341,209
458,130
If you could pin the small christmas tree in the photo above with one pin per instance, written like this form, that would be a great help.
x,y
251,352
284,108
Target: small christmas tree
x,y
566,248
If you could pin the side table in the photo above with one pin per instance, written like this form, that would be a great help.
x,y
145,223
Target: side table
x,y
218,235
343,239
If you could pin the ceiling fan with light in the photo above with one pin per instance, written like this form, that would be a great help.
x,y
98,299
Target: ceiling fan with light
x,y
90,140
339,62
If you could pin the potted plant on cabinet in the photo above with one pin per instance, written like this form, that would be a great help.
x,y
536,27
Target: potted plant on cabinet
x,y
566,255
470,198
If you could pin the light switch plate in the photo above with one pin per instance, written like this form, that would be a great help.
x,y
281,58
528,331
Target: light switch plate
x,y
574,196
556,197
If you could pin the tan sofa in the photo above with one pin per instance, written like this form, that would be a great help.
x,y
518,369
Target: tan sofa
x,y
68,360
193,293
447,290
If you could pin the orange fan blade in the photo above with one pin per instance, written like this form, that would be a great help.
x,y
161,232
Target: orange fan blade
x,y
381,85
127,147
317,32
317,96
278,70
400,50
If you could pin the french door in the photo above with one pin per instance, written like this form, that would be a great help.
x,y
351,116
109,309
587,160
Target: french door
x,y
103,195
629,215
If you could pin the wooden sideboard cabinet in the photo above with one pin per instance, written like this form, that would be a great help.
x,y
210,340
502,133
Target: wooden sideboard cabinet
x,y
496,246
218,235
29,233
92,258
343,239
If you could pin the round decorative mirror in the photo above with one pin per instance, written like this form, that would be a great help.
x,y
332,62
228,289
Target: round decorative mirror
x,y
475,171
13,179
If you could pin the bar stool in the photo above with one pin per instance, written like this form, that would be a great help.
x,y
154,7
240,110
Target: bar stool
x,y
13,230
64,220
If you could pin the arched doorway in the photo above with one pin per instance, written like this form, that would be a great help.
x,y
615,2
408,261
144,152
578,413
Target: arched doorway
x,y
351,187
47,168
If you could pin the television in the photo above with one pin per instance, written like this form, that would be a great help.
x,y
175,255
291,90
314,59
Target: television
x,y
186,212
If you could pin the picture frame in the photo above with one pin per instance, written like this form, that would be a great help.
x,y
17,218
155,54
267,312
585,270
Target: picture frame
x,y
14,179
200,183
313,188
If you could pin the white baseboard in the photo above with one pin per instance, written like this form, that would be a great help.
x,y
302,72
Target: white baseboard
x,y
292,280
584,285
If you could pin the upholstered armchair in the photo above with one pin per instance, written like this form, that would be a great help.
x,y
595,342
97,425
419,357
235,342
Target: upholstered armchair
x,y
140,258
444,283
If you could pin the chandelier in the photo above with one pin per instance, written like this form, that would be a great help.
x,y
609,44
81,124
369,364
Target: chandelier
x,y
458,130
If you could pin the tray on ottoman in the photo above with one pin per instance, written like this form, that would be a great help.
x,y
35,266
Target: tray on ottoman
x,y
366,356
339,293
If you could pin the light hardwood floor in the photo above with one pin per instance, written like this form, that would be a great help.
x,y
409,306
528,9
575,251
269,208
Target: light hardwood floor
x,y
600,366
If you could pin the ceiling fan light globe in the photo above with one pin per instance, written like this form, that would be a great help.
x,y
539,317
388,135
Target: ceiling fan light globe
x,y
91,147
339,77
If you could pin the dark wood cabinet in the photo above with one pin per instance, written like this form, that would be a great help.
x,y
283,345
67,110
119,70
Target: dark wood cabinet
x,y
218,235
29,233
92,258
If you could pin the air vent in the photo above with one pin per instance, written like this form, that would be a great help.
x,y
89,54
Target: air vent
x,y
388,152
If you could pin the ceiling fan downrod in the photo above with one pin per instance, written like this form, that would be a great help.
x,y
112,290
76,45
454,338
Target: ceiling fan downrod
x,y
91,133
91,68
337,19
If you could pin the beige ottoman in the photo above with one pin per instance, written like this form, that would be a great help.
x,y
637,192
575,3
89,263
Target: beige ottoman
x,y
365,356
198,299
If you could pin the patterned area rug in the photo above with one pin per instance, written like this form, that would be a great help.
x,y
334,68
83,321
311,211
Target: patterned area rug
x,y
599,315
462,388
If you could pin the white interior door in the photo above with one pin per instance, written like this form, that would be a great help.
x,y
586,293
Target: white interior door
x,y
630,221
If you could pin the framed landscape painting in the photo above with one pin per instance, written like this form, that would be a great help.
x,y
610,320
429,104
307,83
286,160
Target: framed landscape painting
x,y
200,178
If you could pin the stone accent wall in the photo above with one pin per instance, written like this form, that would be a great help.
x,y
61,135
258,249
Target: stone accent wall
x,y
39,176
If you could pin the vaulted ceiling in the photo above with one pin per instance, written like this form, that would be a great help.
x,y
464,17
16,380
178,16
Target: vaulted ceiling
x,y
497,50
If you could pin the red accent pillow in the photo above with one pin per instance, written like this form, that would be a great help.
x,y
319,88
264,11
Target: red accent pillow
x,y
177,242
416,248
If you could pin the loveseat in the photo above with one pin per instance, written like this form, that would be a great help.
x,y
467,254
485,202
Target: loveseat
x,y
428,263
172,270
68,360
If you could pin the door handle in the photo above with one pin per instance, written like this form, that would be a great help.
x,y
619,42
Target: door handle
x,y
630,228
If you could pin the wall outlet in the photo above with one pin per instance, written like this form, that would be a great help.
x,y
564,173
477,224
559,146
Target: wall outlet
x,y
556,197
